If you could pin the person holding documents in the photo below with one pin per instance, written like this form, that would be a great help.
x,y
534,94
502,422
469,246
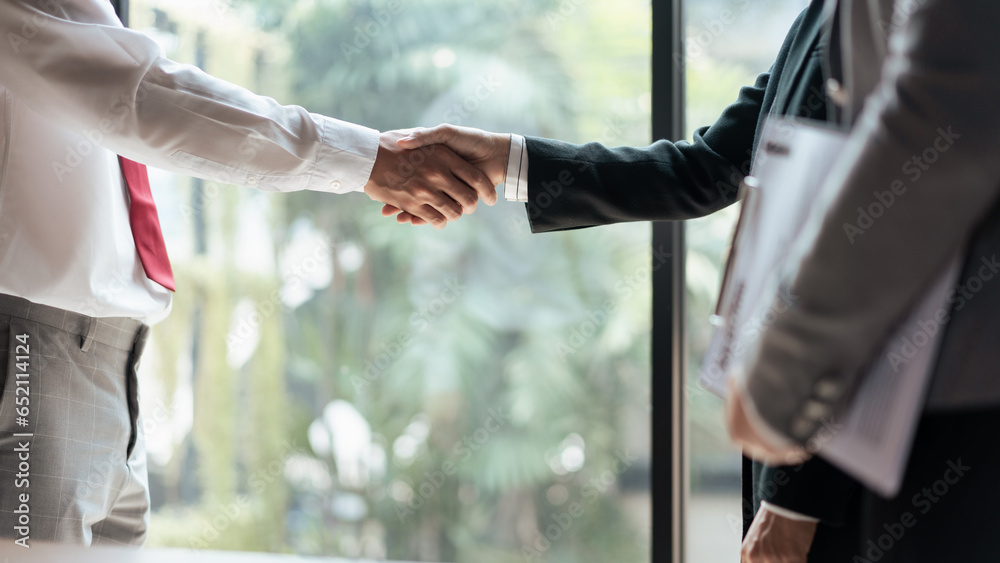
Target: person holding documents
x,y
925,147
568,186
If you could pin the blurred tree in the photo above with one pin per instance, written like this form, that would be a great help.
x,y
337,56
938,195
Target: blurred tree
x,y
493,380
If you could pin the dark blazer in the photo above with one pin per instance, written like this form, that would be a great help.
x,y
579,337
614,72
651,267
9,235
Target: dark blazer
x,y
575,186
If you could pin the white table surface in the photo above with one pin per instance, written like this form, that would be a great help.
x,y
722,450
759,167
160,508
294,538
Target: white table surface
x,y
48,553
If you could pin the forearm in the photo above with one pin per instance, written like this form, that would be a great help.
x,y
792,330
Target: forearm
x,y
71,61
572,186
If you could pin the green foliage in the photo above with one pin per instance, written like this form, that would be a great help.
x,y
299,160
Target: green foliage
x,y
547,334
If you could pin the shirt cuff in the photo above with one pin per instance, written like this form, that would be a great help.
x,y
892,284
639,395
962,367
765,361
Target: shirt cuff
x,y
516,181
785,513
345,158
763,429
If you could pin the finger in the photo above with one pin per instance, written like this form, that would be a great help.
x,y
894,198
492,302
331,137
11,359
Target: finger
x,y
460,192
748,550
476,179
464,182
390,210
417,221
439,222
422,137
440,199
428,214
405,217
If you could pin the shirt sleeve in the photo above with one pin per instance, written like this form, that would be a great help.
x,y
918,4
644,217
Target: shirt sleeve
x,y
516,181
785,513
72,61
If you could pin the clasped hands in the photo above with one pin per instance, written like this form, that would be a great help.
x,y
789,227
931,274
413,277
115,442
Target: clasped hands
x,y
437,175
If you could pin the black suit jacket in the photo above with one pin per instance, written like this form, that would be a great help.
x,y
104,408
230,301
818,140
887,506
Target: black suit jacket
x,y
575,186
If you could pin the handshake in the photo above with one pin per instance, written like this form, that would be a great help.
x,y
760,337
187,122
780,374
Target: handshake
x,y
437,175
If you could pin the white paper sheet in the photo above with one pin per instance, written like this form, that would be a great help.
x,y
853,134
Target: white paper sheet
x,y
782,206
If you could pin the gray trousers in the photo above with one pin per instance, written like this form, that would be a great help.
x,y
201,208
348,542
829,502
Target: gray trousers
x,y
72,453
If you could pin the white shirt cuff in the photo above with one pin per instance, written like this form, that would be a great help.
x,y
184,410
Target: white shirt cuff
x,y
785,513
774,438
516,181
345,157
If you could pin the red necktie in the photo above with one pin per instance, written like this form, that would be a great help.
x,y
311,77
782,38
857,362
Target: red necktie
x,y
146,224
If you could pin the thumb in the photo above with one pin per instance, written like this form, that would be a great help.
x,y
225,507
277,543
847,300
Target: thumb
x,y
423,137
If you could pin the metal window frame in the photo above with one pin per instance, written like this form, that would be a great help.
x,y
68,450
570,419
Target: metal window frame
x,y
669,483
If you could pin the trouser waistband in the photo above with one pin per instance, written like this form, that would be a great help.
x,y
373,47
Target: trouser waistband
x,y
121,333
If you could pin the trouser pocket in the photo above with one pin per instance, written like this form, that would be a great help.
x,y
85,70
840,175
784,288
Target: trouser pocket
x,y
132,385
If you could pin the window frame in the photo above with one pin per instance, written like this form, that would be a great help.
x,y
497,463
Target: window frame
x,y
669,421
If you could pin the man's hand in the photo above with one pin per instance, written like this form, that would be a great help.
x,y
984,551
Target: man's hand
x,y
486,151
776,539
432,184
753,445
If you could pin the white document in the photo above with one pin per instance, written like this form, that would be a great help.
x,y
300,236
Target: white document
x,y
782,208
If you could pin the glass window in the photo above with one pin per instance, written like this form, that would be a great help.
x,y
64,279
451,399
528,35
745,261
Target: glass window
x,y
332,383
727,44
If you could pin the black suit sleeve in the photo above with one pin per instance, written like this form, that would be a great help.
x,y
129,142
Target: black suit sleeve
x,y
814,488
573,186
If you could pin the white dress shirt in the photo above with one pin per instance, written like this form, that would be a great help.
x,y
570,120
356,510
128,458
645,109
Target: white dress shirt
x,y
77,89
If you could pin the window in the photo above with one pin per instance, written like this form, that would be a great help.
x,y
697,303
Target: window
x,y
332,383
727,44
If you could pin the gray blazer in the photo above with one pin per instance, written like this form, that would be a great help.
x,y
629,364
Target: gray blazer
x,y
918,184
